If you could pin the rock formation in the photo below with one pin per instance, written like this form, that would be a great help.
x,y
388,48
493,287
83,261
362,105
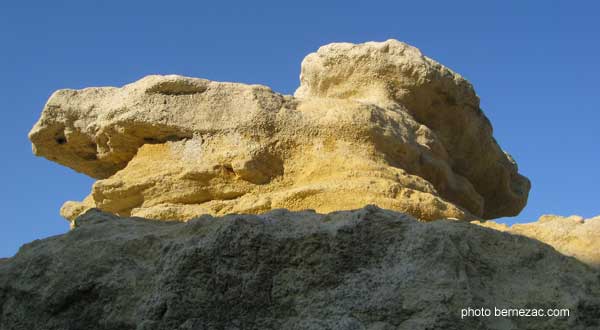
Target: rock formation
x,y
365,269
374,123
572,236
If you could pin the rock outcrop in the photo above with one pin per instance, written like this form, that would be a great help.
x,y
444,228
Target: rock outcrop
x,y
362,269
375,123
572,236
395,75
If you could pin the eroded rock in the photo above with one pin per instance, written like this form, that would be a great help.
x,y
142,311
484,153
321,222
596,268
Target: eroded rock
x,y
573,236
362,269
393,73
375,123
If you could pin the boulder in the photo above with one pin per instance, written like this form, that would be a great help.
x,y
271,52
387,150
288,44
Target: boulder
x,y
173,147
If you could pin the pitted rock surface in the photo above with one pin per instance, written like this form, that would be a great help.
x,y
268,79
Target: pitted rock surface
x,y
374,123
364,269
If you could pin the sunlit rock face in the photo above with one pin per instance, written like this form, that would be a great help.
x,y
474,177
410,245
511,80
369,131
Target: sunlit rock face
x,y
573,236
395,75
373,123
378,140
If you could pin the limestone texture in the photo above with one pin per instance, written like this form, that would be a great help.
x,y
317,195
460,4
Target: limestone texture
x,y
364,269
573,236
373,123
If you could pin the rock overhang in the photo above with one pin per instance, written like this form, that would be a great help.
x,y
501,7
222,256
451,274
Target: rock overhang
x,y
373,123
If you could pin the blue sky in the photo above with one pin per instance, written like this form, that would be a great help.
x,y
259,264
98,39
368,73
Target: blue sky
x,y
534,65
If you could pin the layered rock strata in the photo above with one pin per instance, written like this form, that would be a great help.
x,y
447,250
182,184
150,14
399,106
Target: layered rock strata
x,y
374,123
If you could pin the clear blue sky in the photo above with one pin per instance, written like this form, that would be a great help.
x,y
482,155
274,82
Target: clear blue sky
x,y
535,65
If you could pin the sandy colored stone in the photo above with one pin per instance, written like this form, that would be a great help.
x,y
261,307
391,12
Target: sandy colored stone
x,y
368,269
573,236
173,147
392,75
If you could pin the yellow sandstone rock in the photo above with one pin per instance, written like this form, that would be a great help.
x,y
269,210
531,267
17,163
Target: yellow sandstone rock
x,y
375,123
573,236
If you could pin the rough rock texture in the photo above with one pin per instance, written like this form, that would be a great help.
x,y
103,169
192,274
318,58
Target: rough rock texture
x,y
572,236
364,269
375,123
393,74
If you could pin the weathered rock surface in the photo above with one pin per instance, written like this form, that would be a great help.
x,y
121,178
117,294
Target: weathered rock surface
x,y
363,269
572,236
375,123
392,74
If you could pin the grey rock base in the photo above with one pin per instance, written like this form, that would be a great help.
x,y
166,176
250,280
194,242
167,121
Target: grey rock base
x,y
369,269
